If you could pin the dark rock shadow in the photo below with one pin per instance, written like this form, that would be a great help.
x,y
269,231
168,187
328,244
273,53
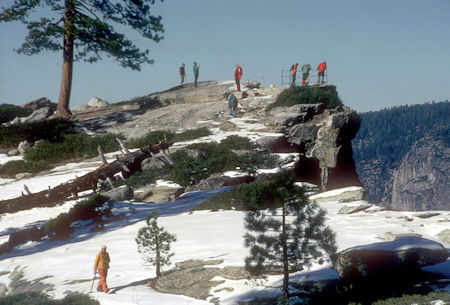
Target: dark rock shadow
x,y
331,290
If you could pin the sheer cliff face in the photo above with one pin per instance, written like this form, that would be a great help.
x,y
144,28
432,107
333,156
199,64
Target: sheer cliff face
x,y
421,182
323,138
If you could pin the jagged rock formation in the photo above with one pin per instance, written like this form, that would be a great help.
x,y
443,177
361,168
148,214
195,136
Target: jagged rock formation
x,y
321,136
421,180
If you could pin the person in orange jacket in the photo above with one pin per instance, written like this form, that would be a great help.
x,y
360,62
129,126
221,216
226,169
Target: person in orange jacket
x,y
101,266
293,74
321,69
237,77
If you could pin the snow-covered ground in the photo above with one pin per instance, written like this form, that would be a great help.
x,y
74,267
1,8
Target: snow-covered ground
x,y
68,265
201,235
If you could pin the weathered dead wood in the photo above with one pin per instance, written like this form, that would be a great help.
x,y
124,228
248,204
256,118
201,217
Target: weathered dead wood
x,y
101,155
53,196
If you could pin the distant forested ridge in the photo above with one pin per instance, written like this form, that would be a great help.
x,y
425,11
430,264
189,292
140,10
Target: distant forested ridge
x,y
386,136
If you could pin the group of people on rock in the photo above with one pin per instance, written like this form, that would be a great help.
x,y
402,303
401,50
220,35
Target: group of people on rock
x,y
195,68
237,74
305,72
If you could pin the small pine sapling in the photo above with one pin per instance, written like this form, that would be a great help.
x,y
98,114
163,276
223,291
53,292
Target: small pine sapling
x,y
154,243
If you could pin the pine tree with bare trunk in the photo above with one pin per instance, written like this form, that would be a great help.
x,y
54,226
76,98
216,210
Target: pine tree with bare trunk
x,y
82,30
287,234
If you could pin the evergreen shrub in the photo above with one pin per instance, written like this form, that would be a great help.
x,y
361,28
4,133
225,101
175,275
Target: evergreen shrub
x,y
9,112
11,168
92,208
72,146
237,142
191,134
40,298
50,130
307,95
240,197
151,138
158,135
142,178
214,158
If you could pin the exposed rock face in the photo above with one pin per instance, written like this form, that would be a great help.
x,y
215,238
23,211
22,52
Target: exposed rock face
x,y
194,280
321,136
404,253
297,114
421,182
207,91
40,103
354,209
325,136
349,194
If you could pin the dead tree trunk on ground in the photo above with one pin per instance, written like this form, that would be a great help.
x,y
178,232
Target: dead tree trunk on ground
x,y
127,164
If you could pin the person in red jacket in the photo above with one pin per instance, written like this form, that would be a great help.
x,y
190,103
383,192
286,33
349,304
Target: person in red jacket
x,y
293,74
321,69
237,77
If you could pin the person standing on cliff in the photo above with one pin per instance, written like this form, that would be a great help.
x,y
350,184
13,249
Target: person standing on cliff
x,y
182,73
305,72
321,69
196,68
293,74
101,266
237,77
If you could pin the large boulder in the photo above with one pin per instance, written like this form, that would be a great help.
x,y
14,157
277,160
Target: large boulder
x,y
120,193
158,193
98,103
406,253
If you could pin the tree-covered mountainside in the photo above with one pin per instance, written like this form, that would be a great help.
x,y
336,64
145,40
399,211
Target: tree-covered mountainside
x,y
385,137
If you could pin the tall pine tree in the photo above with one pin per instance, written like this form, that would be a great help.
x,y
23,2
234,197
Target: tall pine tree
x,y
154,243
82,30
287,236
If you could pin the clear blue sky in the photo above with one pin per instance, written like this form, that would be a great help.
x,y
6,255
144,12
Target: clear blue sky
x,y
379,53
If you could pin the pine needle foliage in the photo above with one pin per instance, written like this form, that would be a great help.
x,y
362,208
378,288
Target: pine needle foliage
x,y
287,236
154,243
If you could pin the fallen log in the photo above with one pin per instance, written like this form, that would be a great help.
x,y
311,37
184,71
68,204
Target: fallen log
x,y
127,165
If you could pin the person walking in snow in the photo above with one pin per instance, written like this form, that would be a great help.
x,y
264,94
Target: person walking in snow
x,y
232,104
305,72
196,68
101,266
237,77
321,69
293,74
182,73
